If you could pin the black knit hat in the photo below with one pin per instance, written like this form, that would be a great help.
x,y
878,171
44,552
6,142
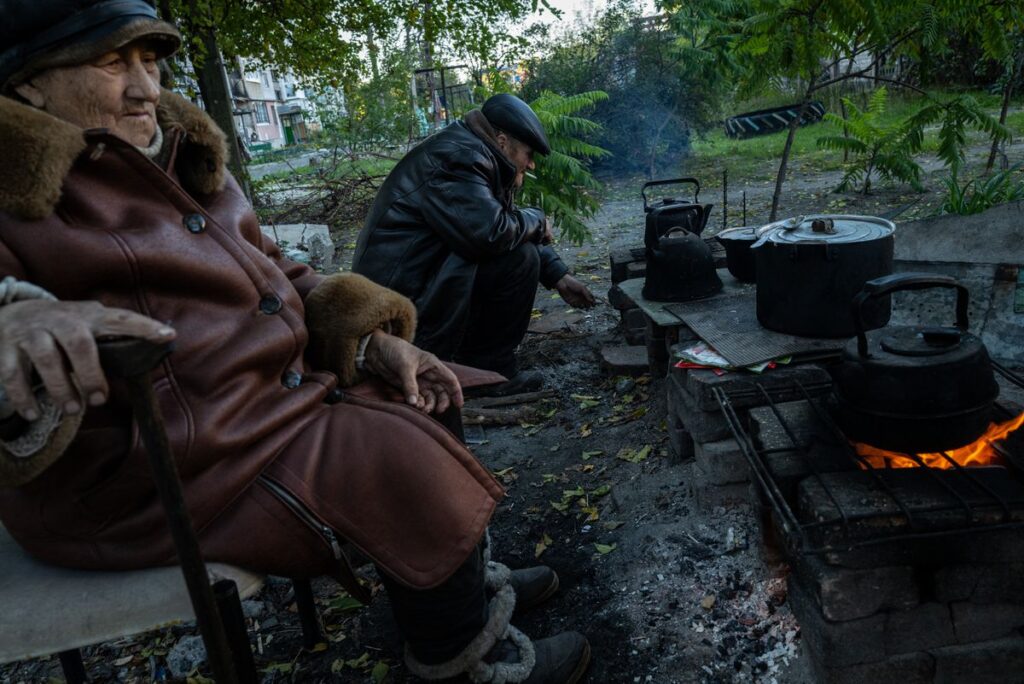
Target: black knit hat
x,y
515,117
41,34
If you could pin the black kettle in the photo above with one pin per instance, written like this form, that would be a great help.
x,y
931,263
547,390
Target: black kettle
x,y
680,268
914,389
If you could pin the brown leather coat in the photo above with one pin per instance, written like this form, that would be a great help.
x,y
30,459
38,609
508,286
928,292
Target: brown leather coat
x,y
89,217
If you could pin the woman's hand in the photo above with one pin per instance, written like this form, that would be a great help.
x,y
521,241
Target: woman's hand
x,y
58,341
426,383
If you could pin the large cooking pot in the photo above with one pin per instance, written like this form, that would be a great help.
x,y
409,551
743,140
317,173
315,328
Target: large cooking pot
x,y
810,268
680,268
738,257
914,389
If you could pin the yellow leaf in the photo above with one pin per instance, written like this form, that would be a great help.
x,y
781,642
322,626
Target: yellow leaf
x,y
542,546
605,548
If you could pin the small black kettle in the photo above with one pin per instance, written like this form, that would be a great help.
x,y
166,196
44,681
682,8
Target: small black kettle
x,y
680,268
914,389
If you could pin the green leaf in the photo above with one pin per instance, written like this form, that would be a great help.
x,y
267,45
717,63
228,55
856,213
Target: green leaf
x,y
380,671
604,549
634,455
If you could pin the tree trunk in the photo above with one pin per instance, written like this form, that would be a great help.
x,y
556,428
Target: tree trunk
x,y
371,49
1007,94
213,86
784,163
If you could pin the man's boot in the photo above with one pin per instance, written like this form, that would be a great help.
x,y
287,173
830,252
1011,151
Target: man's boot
x,y
532,586
502,654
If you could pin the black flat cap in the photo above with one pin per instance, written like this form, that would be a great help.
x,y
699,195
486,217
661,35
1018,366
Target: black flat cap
x,y
515,117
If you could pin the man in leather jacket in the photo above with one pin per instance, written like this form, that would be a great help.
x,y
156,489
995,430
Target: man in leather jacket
x,y
445,232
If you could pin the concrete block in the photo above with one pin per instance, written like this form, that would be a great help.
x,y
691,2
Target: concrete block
x,y
624,360
989,662
928,625
910,668
984,621
680,443
619,300
710,496
849,594
722,462
705,426
621,259
840,644
980,583
308,243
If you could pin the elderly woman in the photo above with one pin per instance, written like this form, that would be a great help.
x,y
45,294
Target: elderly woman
x,y
117,217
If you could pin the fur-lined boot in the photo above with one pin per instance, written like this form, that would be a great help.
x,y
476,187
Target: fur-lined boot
x,y
532,586
501,654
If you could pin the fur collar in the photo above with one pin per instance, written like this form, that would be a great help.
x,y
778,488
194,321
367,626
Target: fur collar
x,y
40,149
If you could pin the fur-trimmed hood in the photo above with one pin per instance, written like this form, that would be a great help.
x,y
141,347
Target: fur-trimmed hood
x,y
39,151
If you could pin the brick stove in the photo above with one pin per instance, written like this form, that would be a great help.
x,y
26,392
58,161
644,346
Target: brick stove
x,y
906,575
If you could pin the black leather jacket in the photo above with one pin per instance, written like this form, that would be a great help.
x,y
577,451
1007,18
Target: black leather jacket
x,y
444,208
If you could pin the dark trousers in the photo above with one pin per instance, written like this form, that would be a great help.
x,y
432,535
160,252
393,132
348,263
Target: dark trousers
x,y
502,300
439,623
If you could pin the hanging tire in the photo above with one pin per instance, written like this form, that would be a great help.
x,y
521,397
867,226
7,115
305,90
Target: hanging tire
x,y
765,121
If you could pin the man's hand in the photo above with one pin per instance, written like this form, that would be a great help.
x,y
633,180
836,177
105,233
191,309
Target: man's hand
x,y
547,234
425,382
575,293
39,334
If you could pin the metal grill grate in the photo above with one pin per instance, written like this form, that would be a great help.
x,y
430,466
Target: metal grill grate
x,y
976,503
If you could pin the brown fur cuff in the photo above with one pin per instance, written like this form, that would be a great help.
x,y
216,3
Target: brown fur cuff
x,y
344,308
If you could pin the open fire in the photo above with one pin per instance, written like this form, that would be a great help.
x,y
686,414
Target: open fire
x,y
978,453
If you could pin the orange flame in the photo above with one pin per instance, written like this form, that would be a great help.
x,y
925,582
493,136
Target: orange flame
x,y
978,453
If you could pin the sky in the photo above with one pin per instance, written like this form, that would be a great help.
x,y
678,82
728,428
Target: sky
x,y
573,9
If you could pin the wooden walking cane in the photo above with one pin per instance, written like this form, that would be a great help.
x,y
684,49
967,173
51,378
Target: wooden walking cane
x,y
222,626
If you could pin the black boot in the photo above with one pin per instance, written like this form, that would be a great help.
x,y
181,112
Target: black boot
x,y
501,653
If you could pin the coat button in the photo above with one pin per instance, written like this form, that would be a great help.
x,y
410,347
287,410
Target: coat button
x,y
196,223
291,379
269,304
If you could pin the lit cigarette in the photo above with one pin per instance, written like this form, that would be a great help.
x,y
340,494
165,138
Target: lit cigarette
x,y
529,175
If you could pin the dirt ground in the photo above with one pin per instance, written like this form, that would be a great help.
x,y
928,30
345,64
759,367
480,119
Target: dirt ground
x,y
665,590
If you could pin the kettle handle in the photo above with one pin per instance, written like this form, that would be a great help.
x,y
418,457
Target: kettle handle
x,y
671,181
879,287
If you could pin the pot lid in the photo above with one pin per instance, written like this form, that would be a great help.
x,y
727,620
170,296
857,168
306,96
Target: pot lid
x,y
825,228
915,341
741,233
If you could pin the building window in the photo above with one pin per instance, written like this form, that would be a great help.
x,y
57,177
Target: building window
x,y
260,111
266,78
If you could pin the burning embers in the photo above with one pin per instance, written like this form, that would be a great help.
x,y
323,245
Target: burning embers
x,y
977,453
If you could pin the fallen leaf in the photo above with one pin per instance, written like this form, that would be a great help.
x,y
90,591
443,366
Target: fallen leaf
x,y
560,507
123,661
601,491
277,667
554,448
589,468
587,455
542,546
361,662
506,475
708,602
591,513
319,647
605,548
380,671
634,455
585,430
612,524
